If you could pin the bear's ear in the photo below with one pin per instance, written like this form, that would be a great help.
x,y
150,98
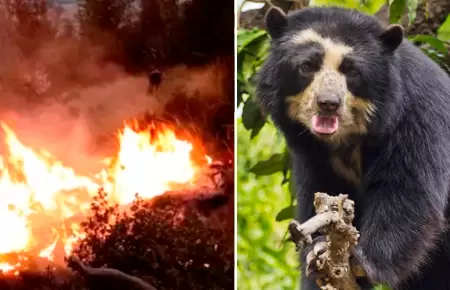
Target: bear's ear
x,y
392,36
383,15
276,21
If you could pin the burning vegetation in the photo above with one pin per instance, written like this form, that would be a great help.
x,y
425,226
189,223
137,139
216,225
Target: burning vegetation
x,y
116,143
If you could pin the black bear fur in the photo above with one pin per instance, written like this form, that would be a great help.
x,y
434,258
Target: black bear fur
x,y
402,203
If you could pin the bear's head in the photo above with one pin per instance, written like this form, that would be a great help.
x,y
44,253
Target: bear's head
x,y
328,72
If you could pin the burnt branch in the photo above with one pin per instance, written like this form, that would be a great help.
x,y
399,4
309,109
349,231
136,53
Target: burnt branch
x,y
334,216
107,273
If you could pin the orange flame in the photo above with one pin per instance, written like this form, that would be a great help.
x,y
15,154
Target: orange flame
x,y
38,190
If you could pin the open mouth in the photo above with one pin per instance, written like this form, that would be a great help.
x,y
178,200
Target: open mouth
x,y
325,125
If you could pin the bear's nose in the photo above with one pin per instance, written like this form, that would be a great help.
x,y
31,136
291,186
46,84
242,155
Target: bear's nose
x,y
328,103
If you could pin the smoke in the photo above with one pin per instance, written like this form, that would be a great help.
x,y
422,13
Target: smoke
x,y
59,94
62,102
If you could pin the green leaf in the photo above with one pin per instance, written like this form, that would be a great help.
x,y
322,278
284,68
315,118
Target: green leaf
x,y
251,115
286,167
268,167
444,31
396,11
247,62
412,8
252,49
240,91
286,213
240,72
432,41
245,37
257,128
250,59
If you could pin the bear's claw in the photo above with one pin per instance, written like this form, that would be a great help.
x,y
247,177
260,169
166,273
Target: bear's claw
x,y
314,259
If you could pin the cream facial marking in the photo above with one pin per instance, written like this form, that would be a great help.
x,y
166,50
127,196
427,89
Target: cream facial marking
x,y
334,51
354,113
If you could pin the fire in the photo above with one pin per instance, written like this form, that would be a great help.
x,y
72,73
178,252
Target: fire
x,y
147,170
37,190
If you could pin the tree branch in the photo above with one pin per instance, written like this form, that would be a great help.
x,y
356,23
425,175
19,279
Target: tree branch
x,y
334,215
107,273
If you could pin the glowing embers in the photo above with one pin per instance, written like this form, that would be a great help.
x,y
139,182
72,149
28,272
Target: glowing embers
x,y
43,201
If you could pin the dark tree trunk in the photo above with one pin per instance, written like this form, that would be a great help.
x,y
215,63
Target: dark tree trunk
x,y
438,11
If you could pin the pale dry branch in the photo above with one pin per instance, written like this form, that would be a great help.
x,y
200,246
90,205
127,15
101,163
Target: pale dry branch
x,y
334,216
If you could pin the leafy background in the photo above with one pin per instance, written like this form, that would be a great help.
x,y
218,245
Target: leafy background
x,y
265,199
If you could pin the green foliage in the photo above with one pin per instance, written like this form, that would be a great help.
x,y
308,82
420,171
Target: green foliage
x,y
266,195
435,43
396,10
367,6
444,30
412,7
252,118
437,48
252,48
275,163
286,213
264,261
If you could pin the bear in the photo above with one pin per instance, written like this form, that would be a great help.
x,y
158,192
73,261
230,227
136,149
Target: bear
x,y
366,113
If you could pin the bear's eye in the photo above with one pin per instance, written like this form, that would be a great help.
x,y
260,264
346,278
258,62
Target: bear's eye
x,y
307,67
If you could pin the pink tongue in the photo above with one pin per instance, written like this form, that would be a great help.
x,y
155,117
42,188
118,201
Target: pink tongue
x,y
325,124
